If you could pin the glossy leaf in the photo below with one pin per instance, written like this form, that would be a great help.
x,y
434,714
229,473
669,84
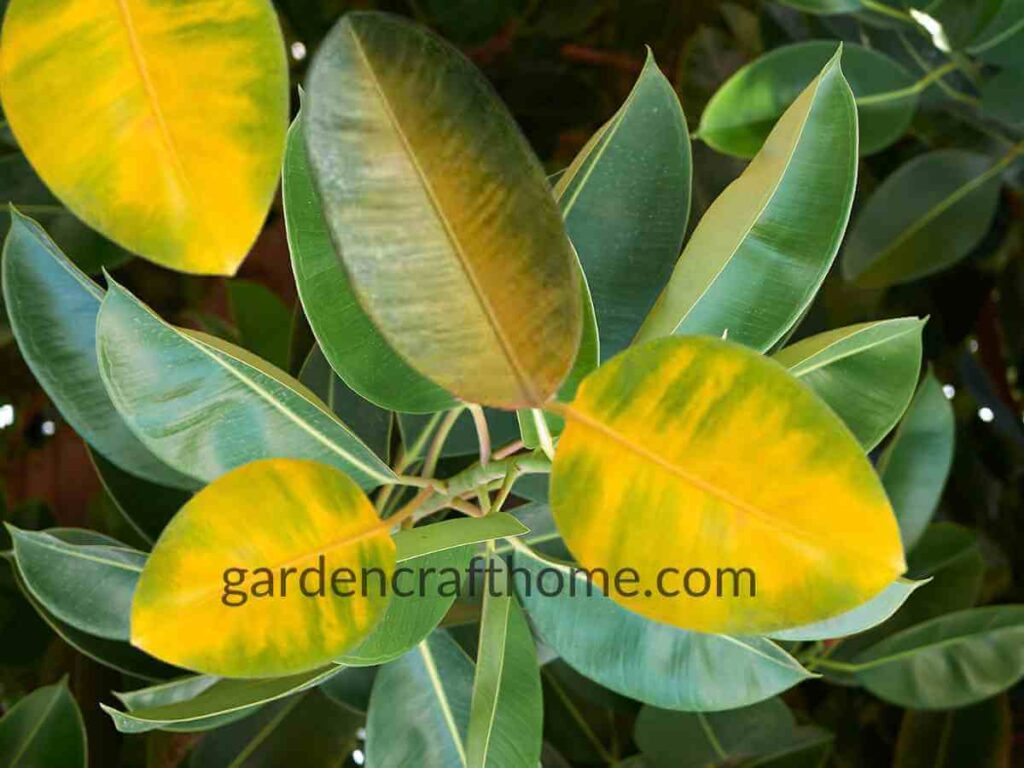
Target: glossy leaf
x,y
720,451
88,586
198,99
742,112
978,736
626,201
471,281
759,254
206,406
950,661
866,373
916,463
300,514
203,703
428,692
506,710
44,730
923,218
653,663
346,335
52,308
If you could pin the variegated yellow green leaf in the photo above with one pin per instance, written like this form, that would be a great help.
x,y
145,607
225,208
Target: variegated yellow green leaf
x,y
441,213
695,453
161,125
232,586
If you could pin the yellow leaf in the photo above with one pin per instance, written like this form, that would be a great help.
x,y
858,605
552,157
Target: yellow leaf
x,y
283,515
159,124
696,454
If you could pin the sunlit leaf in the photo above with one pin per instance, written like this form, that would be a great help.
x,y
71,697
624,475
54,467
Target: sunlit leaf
x,y
162,127
301,516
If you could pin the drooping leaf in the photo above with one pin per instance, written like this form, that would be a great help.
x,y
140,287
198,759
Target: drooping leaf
x,y
52,307
759,254
866,373
472,281
44,730
950,661
506,710
203,703
923,218
742,112
978,736
348,338
196,98
916,463
205,406
428,691
191,610
626,201
88,586
713,451
651,662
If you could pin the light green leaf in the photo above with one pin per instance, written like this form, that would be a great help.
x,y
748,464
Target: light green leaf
x,y
866,373
205,406
52,308
469,276
742,112
923,218
428,539
44,730
759,254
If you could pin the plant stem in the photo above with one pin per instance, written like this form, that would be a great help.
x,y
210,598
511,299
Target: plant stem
x,y
505,451
922,84
434,453
887,10
483,433
839,666
506,488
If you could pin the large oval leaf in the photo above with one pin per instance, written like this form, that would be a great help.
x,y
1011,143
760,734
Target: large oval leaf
x,y
924,217
760,252
161,127
206,406
866,373
626,201
741,114
696,453
44,730
52,307
644,660
199,602
348,338
950,661
441,213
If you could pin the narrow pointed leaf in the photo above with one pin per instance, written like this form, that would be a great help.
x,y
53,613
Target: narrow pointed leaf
x,y
44,730
866,373
296,514
720,451
52,308
198,99
427,539
759,254
469,276
206,406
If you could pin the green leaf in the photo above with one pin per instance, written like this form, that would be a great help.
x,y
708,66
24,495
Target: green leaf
x,y
915,465
923,218
52,308
742,112
370,423
197,704
759,254
999,41
1000,97
304,731
462,440
428,692
765,731
87,586
263,321
507,710
351,687
824,7
979,736
866,373
205,406
472,281
537,517
437,537
950,661
626,200
653,663
348,338
44,730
